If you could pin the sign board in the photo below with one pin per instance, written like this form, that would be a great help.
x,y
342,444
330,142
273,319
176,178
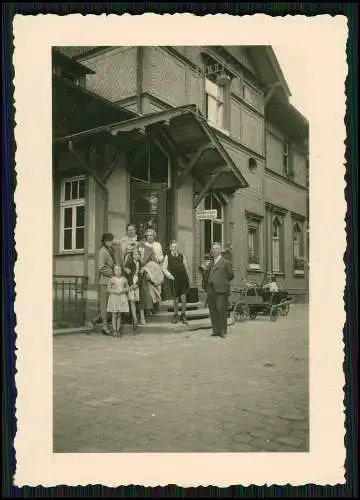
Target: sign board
x,y
206,214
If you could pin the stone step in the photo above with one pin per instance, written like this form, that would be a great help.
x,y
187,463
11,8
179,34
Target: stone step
x,y
162,327
204,324
168,305
166,317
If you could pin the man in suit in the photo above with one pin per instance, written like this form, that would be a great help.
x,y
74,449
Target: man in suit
x,y
217,285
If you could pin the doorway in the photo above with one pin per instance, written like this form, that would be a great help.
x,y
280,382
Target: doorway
x,y
151,192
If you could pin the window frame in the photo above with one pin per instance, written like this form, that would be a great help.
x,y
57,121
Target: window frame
x,y
285,156
254,229
219,99
73,204
224,100
298,229
279,239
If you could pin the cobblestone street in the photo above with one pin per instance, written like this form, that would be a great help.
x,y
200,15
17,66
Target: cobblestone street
x,y
185,392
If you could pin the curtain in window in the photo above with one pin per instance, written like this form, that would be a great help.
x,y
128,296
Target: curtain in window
x,y
276,246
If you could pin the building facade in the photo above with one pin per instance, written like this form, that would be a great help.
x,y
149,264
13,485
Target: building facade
x,y
153,135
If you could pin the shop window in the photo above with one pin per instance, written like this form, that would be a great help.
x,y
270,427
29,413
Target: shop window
x,y
298,257
277,245
72,214
214,229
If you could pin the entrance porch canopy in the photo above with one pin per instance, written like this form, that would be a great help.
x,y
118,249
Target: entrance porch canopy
x,y
185,137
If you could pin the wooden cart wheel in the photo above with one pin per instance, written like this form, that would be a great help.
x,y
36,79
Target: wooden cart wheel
x,y
241,312
274,313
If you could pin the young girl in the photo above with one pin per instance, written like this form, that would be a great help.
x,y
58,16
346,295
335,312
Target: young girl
x,y
118,299
133,265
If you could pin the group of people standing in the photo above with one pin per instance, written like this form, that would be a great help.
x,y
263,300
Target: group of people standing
x,y
131,277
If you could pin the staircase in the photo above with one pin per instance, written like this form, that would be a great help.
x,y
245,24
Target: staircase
x,y
161,322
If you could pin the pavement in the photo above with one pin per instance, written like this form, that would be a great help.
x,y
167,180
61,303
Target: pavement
x,y
185,392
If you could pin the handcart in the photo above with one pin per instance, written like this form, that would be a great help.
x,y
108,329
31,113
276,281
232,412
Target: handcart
x,y
251,300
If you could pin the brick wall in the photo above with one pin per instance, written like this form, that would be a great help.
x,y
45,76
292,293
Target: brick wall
x,y
252,130
284,194
274,153
116,73
164,76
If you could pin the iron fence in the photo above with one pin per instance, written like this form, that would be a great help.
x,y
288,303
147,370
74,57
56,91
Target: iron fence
x,y
69,301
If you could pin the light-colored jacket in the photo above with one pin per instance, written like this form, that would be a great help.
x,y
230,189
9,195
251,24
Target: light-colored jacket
x,y
106,266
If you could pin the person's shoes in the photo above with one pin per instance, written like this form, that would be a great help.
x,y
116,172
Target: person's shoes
x,y
142,322
96,321
183,320
215,334
175,319
223,335
105,331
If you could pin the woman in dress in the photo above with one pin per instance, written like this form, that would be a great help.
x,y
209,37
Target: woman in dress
x,y
118,289
106,272
151,276
129,242
133,265
150,238
176,269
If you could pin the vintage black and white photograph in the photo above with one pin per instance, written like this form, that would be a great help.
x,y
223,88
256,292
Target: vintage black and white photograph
x,y
180,232
180,250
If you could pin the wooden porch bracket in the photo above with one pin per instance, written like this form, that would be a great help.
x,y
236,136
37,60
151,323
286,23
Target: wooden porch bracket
x,y
207,187
111,168
86,166
140,130
172,150
187,170
271,92
100,183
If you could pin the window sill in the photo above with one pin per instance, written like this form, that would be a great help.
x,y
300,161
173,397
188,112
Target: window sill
x,y
69,252
254,270
278,273
254,266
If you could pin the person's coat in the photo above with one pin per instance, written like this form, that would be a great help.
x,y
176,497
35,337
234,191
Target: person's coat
x,y
218,276
106,265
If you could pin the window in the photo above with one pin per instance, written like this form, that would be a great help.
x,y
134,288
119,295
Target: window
x,y
276,245
286,159
253,246
298,249
72,214
213,228
214,103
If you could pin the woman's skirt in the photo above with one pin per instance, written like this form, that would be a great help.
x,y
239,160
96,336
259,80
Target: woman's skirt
x,y
145,299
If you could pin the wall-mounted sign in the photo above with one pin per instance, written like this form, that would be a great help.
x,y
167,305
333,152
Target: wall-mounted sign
x,y
206,214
